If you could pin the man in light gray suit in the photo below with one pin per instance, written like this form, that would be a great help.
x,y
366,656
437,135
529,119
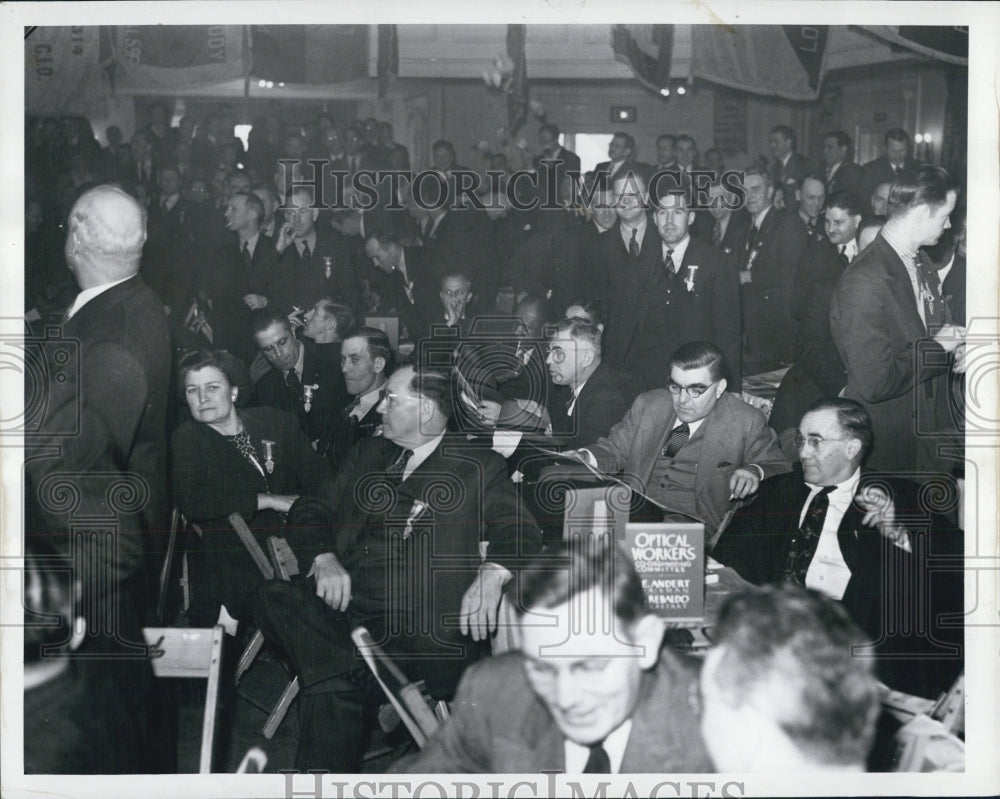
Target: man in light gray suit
x,y
691,446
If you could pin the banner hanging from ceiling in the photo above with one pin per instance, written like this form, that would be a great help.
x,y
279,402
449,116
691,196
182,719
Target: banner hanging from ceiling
x,y
62,69
778,60
941,42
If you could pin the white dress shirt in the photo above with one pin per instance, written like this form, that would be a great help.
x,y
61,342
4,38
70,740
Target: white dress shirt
x,y
828,572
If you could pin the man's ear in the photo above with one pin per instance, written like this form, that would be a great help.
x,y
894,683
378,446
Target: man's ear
x,y
853,447
315,214
648,634
378,364
235,392
722,387
690,218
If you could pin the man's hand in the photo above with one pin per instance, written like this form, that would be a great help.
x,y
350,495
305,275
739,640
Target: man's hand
x,y
745,276
481,603
255,301
285,237
278,502
743,483
453,310
880,512
333,583
950,337
961,360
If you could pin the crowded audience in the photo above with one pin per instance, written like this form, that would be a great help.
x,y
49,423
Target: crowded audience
x,y
396,389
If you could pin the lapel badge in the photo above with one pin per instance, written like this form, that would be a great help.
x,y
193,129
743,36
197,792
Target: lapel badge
x,y
268,455
689,280
307,395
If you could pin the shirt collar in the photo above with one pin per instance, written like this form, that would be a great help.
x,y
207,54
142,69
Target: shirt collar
x,y
87,295
851,249
422,453
310,240
640,229
614,745
367,401
251,243
906,255
759,219
678,250
300,362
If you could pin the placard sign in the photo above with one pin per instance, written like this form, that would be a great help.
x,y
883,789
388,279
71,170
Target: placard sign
x,y
670,559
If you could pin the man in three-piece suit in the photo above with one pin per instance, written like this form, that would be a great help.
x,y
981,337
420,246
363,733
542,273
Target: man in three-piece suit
x,y
299,381
892,330
840,171
773,246
589,691
691,447
399,537
695,291
818,371
104,425
894,164
862,538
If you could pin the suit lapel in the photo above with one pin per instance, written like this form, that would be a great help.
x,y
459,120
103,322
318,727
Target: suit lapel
x,y
902,288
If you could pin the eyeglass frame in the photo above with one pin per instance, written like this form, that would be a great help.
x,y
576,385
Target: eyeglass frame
x,y
813,440
694,391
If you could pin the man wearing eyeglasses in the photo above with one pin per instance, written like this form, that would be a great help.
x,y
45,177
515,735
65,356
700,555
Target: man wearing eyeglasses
x,y
862,538
692,447
398,542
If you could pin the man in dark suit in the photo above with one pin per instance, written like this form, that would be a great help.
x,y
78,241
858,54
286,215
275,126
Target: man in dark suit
x,y
809,195
773,247
691,447
403,557
864,539
299,380
408,283
893,332
166,258
818,371
695,292
313,262
553,165
366,360
590,691
587,397
630,253
104,426
789,167
621,155
894,164
841,174
238,277
729,231
665,161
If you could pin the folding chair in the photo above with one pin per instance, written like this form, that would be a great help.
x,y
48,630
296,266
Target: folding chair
x,y
191,652
285,566
412,704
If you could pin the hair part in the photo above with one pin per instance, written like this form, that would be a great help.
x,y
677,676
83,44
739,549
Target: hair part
x,y
698,354
852,418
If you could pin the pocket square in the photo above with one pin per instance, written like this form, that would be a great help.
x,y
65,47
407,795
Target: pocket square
x,y
723,465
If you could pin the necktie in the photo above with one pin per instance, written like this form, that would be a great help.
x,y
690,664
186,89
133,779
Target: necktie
x,y
247,258
668,263
294,384
842,254
678,438
717,234
394,471
598,762
633,244
752,238
803,545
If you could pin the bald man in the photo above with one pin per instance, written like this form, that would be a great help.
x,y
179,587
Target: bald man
x,y
101,445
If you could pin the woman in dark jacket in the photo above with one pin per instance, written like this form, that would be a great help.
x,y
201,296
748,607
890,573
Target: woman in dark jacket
x,y
255,462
